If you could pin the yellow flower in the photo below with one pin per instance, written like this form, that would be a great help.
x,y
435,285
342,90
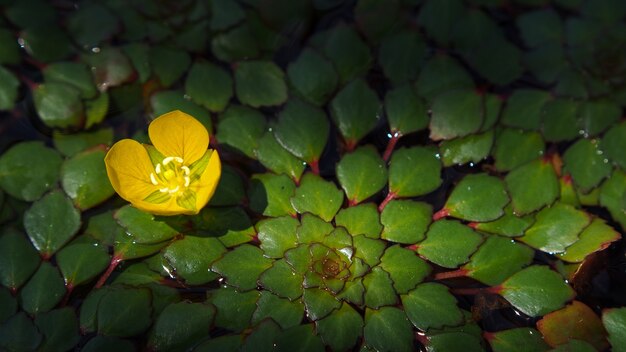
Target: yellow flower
x,y
177,175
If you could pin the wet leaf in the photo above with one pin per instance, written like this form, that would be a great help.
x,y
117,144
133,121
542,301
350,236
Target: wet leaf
x,y
180,326
454,341
139,55
110,67
536,290
449,243
281,280
524,109
368,249
560,120
319,303
441,74
575,321
143,227
262,337
477,197
84,179
400,56
8,305
20,179
46,43
303,130
312,77
379,290
168,64
614,143
242,266
236,44
209,85
574,345
361,173
516,340
317,196
492,270
124,312
469,149
18,259
260,83
556,228
72,144
43,291
532,186
59,328
405,221
405,268
586,164
231,225
362,219
414,171
456,113
234,309
8,89
192,256
439,17
286,313
220,343
355,110
387,329
596,116
406,112
270,194
313,229
230,189
82,260
51,222
241,128
19,334
299,337
341,329
277,235
91,24
595,237
58,105
614,321
276,158
431,305
612,196
343,46
515,147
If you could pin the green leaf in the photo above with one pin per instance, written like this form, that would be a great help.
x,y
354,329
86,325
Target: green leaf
x,y
431,305
612,196
58,105
107,343
516,340
281,280
361,173
299,337
277,235
168,64
595,237
536,290
262,337
225,14
81,260
318,303
91,24
180,326
405,268
343,46
313,229
51,222
454,341
241,128
414,171
400,56
286,313
18,259
209,85
10,50
545,62
19,334
441,74
303,130
74,74
59,328
231,225
230,189
355,110
449,243
524,109
236,44
270,194
353,292
368,249
515,147
560,120
406,112
20,179
541,27
532,186
405,221
139,55
492,270
508,225
586,164
260,83
477,197
469,149
614,321
110,67
341,329
614,143
124,312
556,228
376,19
456,113
439,17
143,227
71,144
317,196
234,308
8,89
276,158
84,179
379,290
45,43
8,305
43,291
312,77
362,219
192,256
596,116
575,321
387,329
242,266
168,100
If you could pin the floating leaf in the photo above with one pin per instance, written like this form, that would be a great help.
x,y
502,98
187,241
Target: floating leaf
x,y
492,270
559,120
74,74
313,77
387,329
225,14
368,249
191,258
516,340
230,189
84,179
595,237
8,89
439,17
180,326
18,259
456,113
10,50
303,130
454,341
260,83
124,312
541,27
379,290
612,196
355,110
59,328
313,229
110,67
341,329
449,243
143,227
299,337
431,305
405,268
575,321
405,221
262,337
241,128
319,303
169,64
242,266
317,196
209,85
532,186
91,24
72,144
20,179
406,112
231,225
586,164
515,147
361,174
441,74
556,228
270,194
414,171
58,105
168,100
478,197
343,46
524,109
596,116
277,235
362,219
281,281
614,143
8,304
400,56
51,222
469,149
19,334
238,43
234,308
81,260
286,313
614,321
276,158
43,291
536,290
46,43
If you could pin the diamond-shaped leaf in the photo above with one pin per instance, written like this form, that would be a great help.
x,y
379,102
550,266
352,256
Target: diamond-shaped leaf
x,y
209,85
595,237
317,196
405,221
270,194
406,112
614,321
515,147
341,329
387,329
431,305
469,149
260,83
286,313
43,291
242,266
361,174
313,77
241,128
191,258
379,290
414,171
319,303
532,186
516,340
362,219
355,110
449,243
281,280
180,326
456,113
492,270
478,197
575,321
277,235
84,179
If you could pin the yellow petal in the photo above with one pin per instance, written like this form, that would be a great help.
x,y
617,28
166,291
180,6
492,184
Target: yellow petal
x,y
179,134
128,167
208,181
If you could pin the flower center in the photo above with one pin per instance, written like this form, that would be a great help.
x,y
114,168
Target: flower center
x,y
171,175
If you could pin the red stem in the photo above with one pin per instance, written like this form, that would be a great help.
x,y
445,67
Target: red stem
x,y
350,144
390,196
115,261
451,274
391,145
441,214
69,287
473,225
315,167
421,338
477,290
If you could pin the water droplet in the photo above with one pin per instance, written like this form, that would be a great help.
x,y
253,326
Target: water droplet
x,y
95,50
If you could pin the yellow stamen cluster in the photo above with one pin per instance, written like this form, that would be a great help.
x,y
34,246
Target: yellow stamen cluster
x,y
171,175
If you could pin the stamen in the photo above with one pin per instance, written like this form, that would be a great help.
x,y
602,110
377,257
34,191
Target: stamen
x,y
164,189
175,189
167,160
158,169
186,169
187,181
178,159
153,179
